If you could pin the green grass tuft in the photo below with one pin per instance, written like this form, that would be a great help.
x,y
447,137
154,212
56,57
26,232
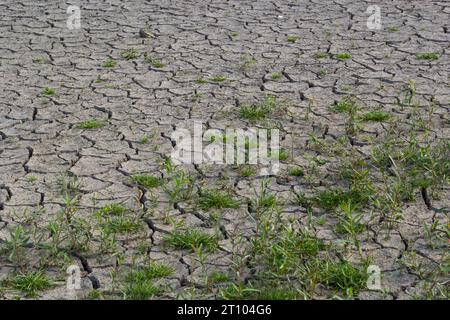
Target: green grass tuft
x,y
376,116
427,56
147,181
130,54
110,63
343,56
48,92
216,199
90,124
191,239
31,283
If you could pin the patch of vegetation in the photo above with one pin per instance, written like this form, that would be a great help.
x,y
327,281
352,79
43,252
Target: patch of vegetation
x,y
123,224
217,79
276,75
147,181
246,171
248,61
15,246
393,29
291,248
200,80
296,172
90,124
323,72
31,283
110,63
345,106
181,185
38,60
113,209
292,38
270,290
48,92
191,239
130,54
31,179
216,199
156,63
321,55
218,277
115,218
428,56
258,111
343,56
152,271
196,96
331,198
144,140
141,290
376,116
342,275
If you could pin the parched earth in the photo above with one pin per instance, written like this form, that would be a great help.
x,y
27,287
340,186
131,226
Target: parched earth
x,y
86,118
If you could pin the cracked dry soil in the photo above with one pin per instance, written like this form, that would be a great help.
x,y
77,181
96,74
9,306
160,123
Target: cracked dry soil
x,y
86,118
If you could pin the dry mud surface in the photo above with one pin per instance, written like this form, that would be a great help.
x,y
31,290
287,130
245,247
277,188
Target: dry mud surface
x,y
205,60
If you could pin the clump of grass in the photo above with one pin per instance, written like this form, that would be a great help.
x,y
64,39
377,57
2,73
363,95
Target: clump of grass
x,y
323,72
130,54
343,56
38,60
216,199
283,155
268,290
196,96
246,171
143,290
284,251
144,140
31,179
258,111
15,247
200,80
267,201
292,38
376,116
192,239
110,63
218,277
218,79
90,124
427,56
248,61
393,29
332,198
113,209
296,172
345,106
147,181
153,271
48,92
124,224
115,218
343,227
276,75
156,63
31,283
320,55
342,275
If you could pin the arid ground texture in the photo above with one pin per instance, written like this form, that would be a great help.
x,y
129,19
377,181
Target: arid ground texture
x,y
93,207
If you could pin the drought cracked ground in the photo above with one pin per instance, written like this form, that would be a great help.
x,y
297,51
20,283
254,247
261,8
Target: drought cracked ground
x,y
86,118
